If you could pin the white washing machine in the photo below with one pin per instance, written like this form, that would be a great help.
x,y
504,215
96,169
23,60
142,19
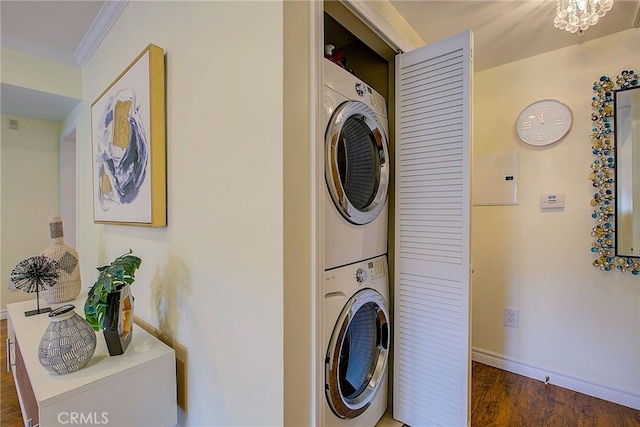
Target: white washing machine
x,y
356,169
356,341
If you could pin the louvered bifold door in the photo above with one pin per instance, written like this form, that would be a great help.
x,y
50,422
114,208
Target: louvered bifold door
x,y
432,301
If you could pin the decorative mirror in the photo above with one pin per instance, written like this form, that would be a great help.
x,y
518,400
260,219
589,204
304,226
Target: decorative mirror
x,y
627,145
616,173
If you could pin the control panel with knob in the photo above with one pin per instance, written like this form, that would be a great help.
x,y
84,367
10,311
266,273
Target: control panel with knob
x,y
361,275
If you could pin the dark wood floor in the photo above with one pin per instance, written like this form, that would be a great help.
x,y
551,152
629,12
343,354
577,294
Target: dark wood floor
x,y
498,399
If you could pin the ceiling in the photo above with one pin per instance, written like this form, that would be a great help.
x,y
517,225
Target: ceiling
x,y
508,30
52,29
504,30
63,31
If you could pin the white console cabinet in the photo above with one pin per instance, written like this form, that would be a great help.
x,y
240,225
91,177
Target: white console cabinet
x,y
137,388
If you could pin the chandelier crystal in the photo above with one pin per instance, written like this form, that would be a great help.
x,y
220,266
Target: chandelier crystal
x,y
578,15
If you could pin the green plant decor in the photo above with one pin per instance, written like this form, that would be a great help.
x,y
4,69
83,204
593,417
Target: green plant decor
x,y
111,279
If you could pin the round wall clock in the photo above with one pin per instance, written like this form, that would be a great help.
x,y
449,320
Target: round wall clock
x,y
544,122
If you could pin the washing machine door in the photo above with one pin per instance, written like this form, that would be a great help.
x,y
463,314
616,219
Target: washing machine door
x,y
356,358
356,162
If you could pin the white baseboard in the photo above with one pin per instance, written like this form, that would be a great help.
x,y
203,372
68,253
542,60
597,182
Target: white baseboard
x,y
621,397
3,314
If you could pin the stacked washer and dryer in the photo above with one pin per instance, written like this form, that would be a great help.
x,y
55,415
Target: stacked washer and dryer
x,y
356,329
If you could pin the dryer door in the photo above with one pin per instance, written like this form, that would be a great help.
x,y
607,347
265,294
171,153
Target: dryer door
x,y
356,162
356,359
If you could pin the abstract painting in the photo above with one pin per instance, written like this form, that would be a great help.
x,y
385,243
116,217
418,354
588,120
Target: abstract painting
x,y
129,149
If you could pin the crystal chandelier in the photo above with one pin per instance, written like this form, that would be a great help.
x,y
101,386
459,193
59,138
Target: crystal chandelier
x,y
578,15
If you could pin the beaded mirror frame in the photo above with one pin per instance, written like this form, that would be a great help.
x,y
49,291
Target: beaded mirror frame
x,y
603,174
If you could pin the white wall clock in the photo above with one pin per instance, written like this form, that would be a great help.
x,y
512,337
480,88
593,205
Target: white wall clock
x,y
544,122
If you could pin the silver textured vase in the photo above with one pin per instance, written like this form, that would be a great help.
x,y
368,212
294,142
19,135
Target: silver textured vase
x,y
68,342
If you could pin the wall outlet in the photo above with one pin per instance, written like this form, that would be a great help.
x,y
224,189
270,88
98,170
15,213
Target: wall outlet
x,y
511,317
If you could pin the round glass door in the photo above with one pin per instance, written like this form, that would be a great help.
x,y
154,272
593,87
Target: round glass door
x,y
356,359
356,163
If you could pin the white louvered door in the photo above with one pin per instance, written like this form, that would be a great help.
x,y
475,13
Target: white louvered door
x,y
432,250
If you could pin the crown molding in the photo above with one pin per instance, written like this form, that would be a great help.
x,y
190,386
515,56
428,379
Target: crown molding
x,y
99,28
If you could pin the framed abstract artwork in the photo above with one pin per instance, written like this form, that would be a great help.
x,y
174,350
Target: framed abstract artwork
x,y
128,135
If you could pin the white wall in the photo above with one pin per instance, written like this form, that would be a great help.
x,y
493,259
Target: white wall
x,y
40,74
68,184
212,279
579,325
299,192
30,194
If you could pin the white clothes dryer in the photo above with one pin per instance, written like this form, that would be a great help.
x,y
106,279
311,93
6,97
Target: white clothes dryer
x,y
356,169
356,341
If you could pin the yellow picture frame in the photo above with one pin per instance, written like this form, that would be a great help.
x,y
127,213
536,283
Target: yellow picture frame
x,y
128,134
